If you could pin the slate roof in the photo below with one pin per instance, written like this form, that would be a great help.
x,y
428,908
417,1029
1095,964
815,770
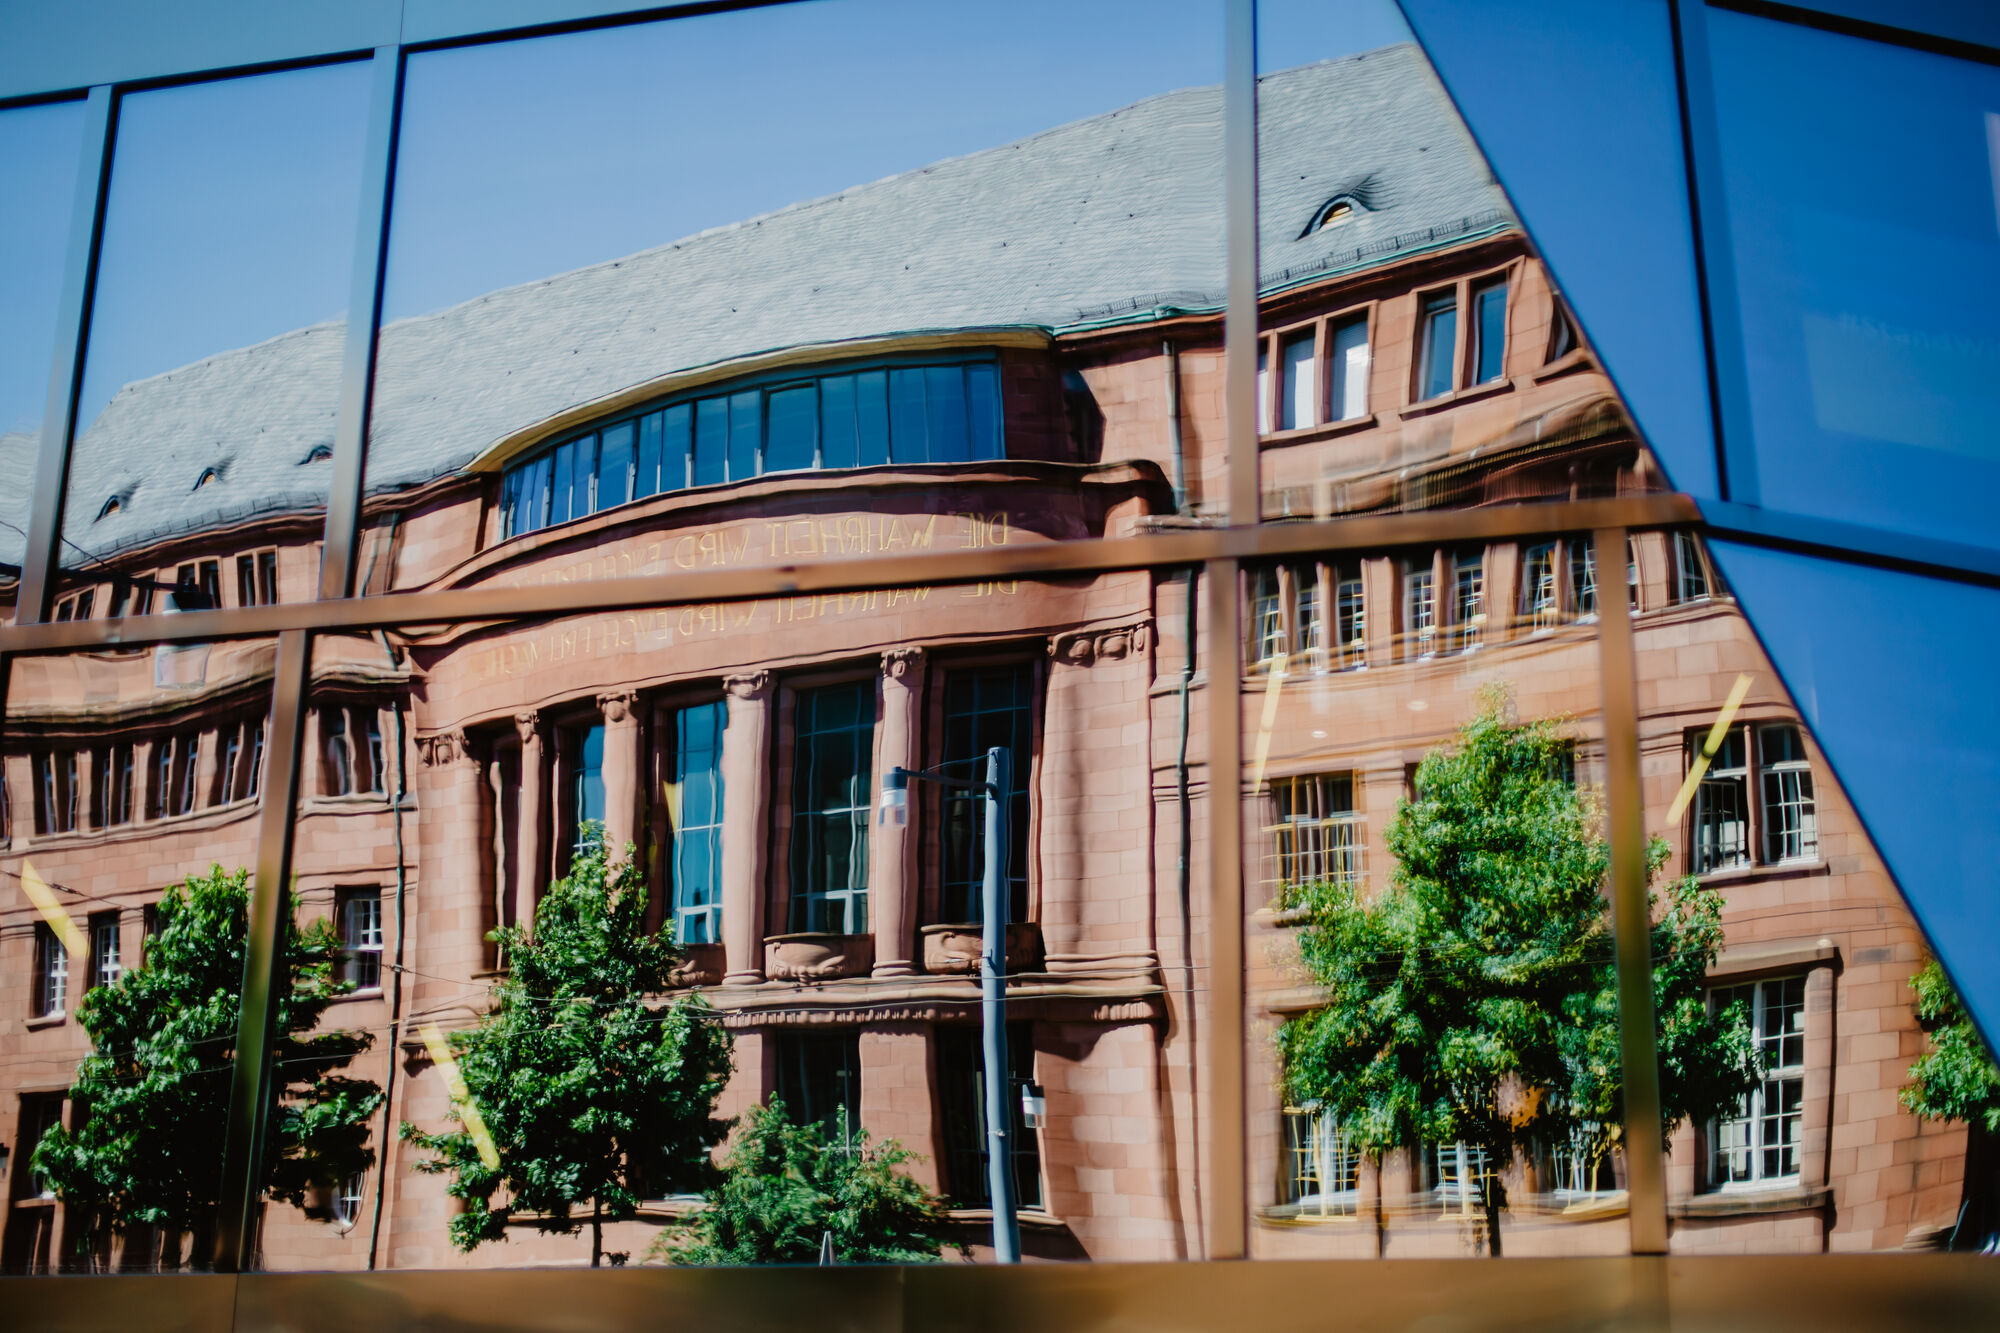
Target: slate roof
x,y
1111,219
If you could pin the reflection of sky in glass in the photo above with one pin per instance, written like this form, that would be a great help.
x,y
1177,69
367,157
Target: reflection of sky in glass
x,y
1298,32
523,159
1868,253
231,220
39,150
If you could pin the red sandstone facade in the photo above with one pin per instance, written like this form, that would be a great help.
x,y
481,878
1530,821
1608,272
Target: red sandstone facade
x,y
464,817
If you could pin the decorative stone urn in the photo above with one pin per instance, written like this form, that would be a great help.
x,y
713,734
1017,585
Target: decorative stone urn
x,y
818,957
700,965
954,950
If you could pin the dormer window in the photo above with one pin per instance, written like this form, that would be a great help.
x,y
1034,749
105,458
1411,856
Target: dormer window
x,y
1362,196
110,507
1335,213
207,475
319,453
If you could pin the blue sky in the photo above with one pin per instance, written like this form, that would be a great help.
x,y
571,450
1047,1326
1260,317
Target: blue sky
x,y
232,208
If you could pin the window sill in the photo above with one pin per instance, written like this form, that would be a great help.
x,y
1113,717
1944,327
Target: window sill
x,y
1308,1214
1577,358
1751,1202
1472,394
1773,956
1033,1217
1326,430
1737,875
45,1021
372,993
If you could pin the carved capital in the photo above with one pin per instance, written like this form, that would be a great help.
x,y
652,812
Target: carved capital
x,y
444,748
1115,643
897,663
528,725
617,706
748,685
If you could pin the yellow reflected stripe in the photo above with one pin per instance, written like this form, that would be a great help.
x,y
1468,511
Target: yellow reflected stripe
x,y
1275,681
672,792
454,1082
44,899
1716,733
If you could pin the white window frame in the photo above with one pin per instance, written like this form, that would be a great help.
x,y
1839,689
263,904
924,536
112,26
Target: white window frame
x,y
1786,785
1317,1151
1758,1133
1317,832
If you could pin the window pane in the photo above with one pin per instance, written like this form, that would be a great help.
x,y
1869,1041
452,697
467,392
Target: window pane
x,y
646,462
614,465
839,443
982,401
746,430
1440,335
711,441
218,319
1350,369
791,445
1491,306
871,405
1296,393
908,418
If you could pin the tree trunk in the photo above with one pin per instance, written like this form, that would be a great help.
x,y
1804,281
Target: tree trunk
x,y
596,1233
1493,1221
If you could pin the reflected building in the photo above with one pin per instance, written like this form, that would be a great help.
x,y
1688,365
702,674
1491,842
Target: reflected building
x,y
1019,346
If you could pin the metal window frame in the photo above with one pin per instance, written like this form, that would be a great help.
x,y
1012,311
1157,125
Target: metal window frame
x,y
1218,551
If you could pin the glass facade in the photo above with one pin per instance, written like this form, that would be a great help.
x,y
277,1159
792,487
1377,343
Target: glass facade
x,y
1401,738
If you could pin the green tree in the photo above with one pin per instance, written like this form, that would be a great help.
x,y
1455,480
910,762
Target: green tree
x,y
1475,1000
784,1189
154,1091
1956,1079
591,1095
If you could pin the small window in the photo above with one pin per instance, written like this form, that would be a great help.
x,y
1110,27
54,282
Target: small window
x,y
337,750
198,586
1541,609
1264,404
1350,615
361,938
347,1200
1348,366
242,768
51,973
1720,833
114,785
110,506
56,795
107,959
1489,332
319,453
1690,569
1562,332
1308,615
819,1081
586,805
1325,1167
1438,345
1299,385
257,579
1316,834
77,606
208,476
1468,600
1420,621
1763,1143
1582,578
1267,620
696,804
1790,816
961,1082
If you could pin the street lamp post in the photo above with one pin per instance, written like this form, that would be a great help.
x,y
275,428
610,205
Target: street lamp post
x,y
992,975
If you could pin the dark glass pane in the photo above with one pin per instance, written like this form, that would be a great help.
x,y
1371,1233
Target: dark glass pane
x,y
218,318
646,465
1440,333
982,401
711,441
792,413
839,444
908,419
1492,304
583,476
614,465
944,391
1298,388
746,428
871,406
563,499
676,456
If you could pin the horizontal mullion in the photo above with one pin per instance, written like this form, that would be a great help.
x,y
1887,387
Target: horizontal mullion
x,y
1169,548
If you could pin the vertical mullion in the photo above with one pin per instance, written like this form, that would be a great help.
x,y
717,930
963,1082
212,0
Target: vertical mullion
x,y
39,563
1239,133
1638,1044
1227,1089
245,1147
364,309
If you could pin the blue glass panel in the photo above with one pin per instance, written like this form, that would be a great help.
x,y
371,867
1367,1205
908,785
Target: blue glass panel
x,y
1492,315
792,413
982,402
907,417
614,465
1867,256
871,415
944,391
711,441
510,498
533,510
746,425
1440,344
1894,674
676,459
562,503
588,793
646,464
584,461
839,445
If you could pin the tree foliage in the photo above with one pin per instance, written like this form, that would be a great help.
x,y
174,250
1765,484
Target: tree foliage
x,y
154,1091
1475,1000
784,1188
1955,1078
594,1098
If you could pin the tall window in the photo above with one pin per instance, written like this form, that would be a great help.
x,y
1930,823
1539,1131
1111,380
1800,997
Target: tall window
x,y
1760,1144
1350,615
257,579
586,789
1298,386
1541,607
1468,601
361,937
832,762
1489,333
347,1200
984,708
240,772
819,1080
905,414
107,960
1791,821
1420,621
114,785
175,758
1722,808
1316,832
1349,368
1582,578
962,1098
1325,1169
1437,332
51,973
198,586
1690,569
1308,615
55,791
1460,1174
1265,415
76,606
1267,618
695,805
353,759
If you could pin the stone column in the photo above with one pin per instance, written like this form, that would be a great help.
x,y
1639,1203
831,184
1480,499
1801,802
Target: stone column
x,y
454,928
312,768
746,787
88,816
206,763
531,821
892,879
621,773
142,781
